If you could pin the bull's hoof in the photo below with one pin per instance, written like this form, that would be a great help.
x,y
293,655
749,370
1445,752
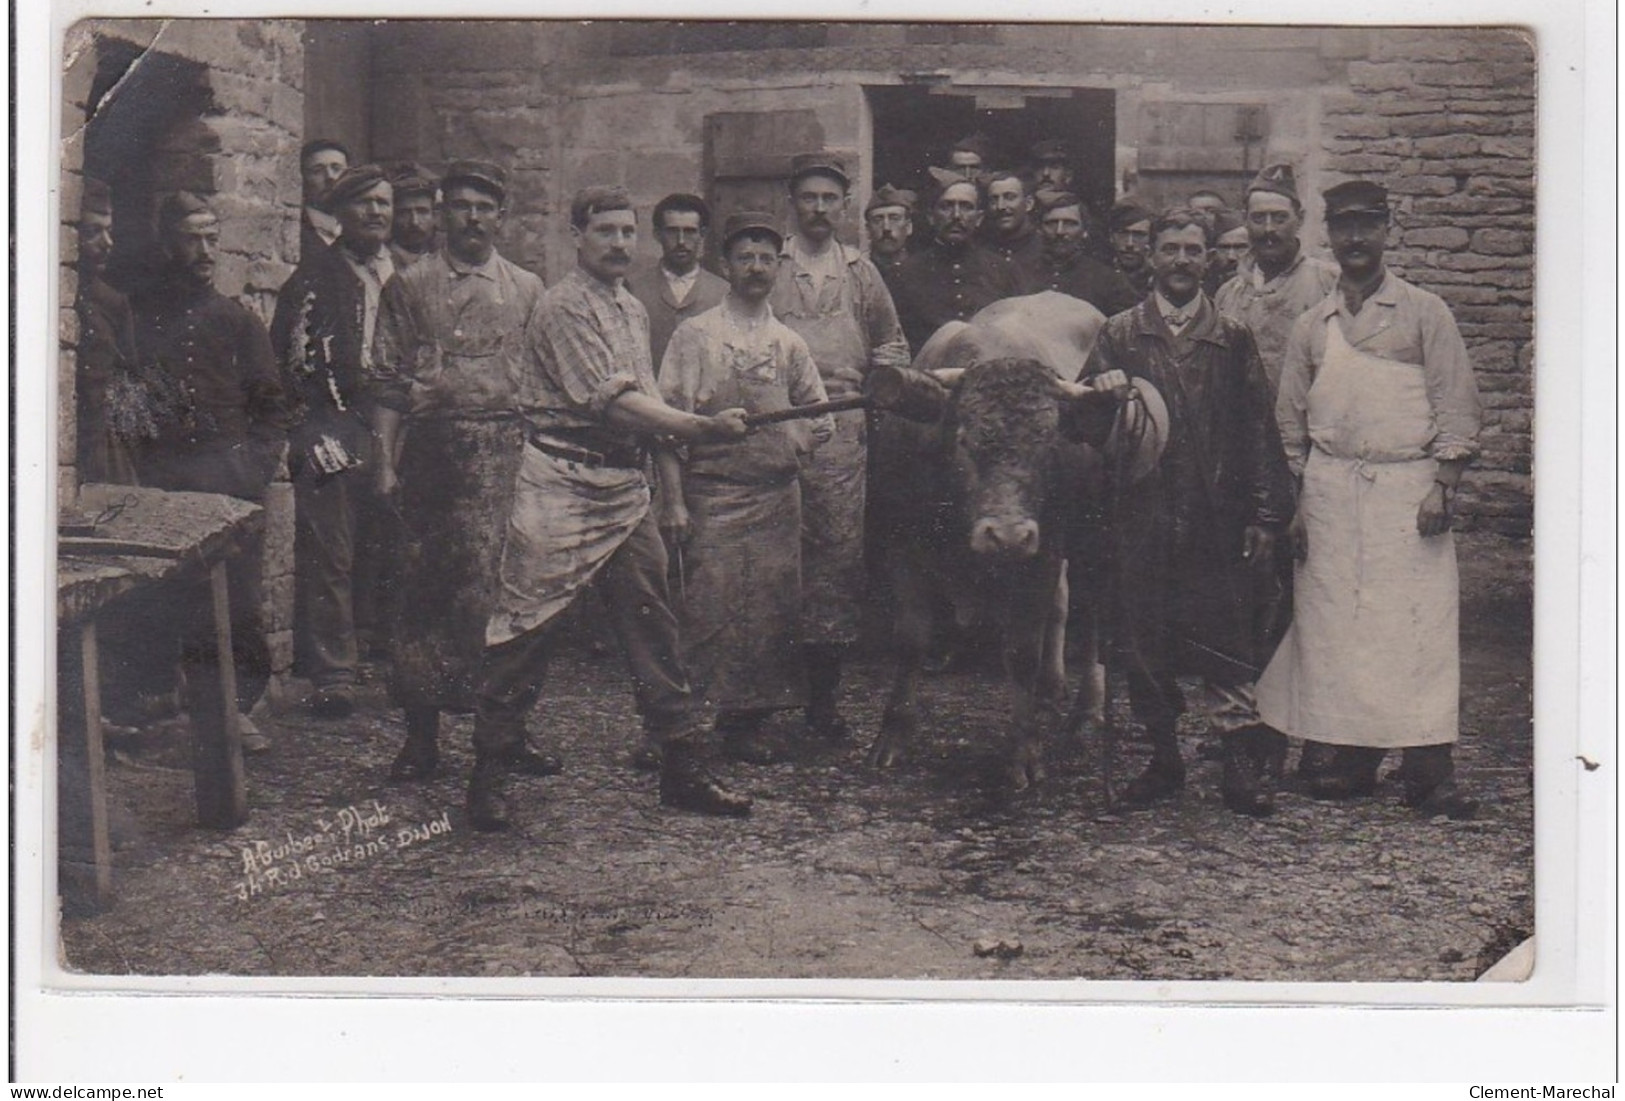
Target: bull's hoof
x,y
887,754
1027,769
1162,780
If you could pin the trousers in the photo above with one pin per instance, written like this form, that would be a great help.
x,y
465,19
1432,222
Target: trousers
x,y
632,584
326,513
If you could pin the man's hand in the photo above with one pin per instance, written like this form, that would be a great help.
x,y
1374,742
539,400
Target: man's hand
x,y
388,483
726,426
843,381
1258,548
1115,381
1297,534
1434,515
675,523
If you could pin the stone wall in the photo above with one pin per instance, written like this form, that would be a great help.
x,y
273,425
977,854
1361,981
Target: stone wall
x,y
239,147
1447,121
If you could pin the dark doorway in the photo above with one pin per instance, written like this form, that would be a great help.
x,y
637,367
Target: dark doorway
x,y
914,126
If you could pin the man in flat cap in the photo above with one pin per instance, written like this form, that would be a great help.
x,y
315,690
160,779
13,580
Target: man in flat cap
x,y
1190,541
449,368
1379,413
321,162
1052,165
105,356
412,234
1129,225
581,517
227,430
1231,245
1011,234
890,221
1278,281
953,275
839,304
676,287
735,509
1068,267
322,332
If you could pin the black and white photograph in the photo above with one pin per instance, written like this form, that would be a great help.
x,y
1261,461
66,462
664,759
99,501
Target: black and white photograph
x,y
1023,505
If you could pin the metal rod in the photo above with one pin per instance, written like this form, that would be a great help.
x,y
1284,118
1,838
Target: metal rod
x,y
805,412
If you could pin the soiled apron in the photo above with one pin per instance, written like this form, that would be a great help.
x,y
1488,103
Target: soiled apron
x,y
832,481
567,520
1372,656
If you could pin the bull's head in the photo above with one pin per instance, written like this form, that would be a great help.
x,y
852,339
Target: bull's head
x,y
1002,434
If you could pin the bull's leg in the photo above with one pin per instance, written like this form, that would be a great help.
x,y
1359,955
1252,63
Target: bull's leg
x,y
1052,670
911,634
1024,653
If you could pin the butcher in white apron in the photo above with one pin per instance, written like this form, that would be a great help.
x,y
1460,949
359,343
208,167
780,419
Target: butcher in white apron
x,y
1379,415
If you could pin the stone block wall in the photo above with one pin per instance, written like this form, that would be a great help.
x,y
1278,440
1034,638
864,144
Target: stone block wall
x,y
241,151
1446,120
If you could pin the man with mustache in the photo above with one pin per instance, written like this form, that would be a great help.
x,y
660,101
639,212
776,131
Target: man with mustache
x,y
581,517
676,288
735,509
105,355
1230,246
1380,416
1067,265
321,162
449,386
890,219
1052,165
1189,542
411,238
1279,281
1011,234
836,301
953,276
224,426
322,331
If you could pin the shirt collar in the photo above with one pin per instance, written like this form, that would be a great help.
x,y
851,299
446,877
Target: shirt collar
x,y
610,291
1386,294
1255,274
487,270
793,250
1203,325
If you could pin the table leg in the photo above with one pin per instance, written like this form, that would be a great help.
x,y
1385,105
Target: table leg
x,y
217,742
84,854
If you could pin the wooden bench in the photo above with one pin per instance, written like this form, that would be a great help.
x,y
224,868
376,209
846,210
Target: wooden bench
x,y
142,538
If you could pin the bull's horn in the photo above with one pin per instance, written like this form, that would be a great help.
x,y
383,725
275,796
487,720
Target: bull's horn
x,y
950,377
1067,390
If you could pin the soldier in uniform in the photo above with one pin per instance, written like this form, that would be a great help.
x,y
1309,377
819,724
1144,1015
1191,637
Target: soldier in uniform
x,y
1067,265
952,276
890,220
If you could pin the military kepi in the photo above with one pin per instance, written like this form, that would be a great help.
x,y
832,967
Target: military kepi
x,y
748,221
887,195
1356,197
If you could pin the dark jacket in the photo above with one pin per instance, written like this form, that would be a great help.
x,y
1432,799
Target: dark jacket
x,y
106,361
226,433
1183,596
1024,255
318,335
649,286
1082,276
941,283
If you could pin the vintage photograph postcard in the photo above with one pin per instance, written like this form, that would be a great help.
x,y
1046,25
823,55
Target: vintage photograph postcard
x,y
1014,509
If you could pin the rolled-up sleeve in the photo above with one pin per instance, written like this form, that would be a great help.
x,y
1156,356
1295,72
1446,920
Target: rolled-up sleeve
x,y
1452,390
569,343
680,368
1292,397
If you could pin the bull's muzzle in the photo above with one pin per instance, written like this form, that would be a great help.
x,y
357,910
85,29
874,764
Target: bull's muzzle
x,y
1004,538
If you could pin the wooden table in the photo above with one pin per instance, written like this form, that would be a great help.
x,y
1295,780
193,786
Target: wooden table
x,y
143,538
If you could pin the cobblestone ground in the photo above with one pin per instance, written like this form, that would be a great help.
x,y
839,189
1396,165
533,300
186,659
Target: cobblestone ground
x,y
842,871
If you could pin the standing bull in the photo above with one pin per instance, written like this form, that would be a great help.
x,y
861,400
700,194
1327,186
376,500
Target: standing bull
x,y
981,503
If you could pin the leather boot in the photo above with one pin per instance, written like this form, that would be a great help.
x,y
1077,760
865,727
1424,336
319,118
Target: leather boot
x,y
1163,777
1428,775
1244,783
526,760
1315,761
823,664
1351,775
487,805
419,758
686,785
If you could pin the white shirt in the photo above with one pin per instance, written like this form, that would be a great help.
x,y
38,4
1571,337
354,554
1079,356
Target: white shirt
x,y
1177,317
681,285
373,273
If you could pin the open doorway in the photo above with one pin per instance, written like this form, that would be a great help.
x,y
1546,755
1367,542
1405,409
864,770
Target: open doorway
x,y
915,125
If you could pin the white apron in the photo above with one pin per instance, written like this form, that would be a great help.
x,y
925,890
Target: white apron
x,y
1371,658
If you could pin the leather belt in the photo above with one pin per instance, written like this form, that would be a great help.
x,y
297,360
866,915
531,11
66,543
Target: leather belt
x,y
622,458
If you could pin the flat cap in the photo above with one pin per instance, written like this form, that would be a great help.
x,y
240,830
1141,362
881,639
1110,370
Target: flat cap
x,y
1355,197
1277,179
748,221
1125,214
1049,199
1051,151
484,175
411,179
179,206
887,195
95,197
355,182
807,164
318,145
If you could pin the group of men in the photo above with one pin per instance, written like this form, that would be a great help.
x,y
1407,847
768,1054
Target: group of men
x,y
501,447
